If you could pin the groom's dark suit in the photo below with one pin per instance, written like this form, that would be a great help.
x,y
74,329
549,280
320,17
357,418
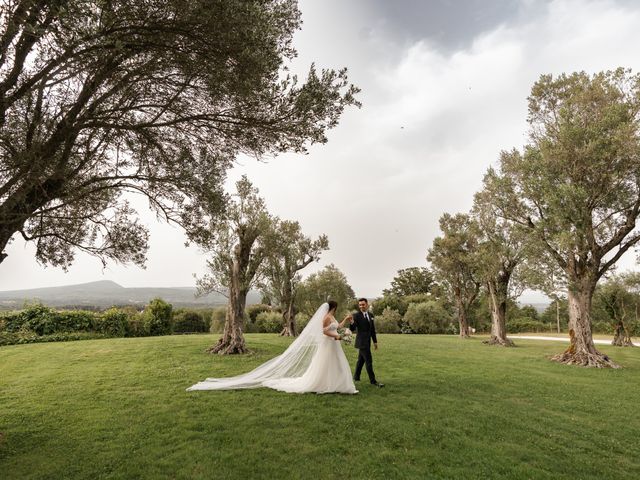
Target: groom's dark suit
x,y
366,331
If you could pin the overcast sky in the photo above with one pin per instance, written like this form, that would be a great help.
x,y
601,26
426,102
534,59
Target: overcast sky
x,y
444,87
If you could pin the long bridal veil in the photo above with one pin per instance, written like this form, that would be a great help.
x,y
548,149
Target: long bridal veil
x,y
293,362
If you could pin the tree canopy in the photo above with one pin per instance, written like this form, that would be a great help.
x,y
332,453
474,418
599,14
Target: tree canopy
x,y
293,251
328,284
410,281
575,187
453,258
98,98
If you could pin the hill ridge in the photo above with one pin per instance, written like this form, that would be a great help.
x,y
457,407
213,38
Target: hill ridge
x,y
106,293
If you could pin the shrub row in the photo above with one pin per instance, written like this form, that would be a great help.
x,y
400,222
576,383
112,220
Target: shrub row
x,y
39,323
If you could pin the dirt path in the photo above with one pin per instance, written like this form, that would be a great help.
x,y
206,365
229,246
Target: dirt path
x,y
598,341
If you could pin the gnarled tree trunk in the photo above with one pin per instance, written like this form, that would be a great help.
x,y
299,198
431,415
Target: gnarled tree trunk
x,y
582,350
289,322
463,323
288,313
232,340
498,295
621,337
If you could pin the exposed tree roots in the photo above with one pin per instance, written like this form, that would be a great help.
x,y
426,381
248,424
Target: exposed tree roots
x,y
585,359
500,342
228,348
621,337
286,332
622,342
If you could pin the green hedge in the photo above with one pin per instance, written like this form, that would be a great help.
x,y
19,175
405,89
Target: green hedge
x,y
39,323
389,321
113,322
268,322
188,322
157,317
429,317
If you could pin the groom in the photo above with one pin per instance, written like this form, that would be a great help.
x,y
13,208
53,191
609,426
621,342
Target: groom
x,y
362,323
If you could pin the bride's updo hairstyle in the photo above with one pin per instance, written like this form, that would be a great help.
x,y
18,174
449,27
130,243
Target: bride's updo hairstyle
x,y
333,305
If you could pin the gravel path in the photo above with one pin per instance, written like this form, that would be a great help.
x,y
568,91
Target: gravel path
x,y
557,339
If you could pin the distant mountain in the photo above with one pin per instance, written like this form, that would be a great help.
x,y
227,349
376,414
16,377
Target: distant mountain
x,y
105,293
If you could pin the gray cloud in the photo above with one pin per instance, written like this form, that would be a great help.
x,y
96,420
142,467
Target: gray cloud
x,y
449,24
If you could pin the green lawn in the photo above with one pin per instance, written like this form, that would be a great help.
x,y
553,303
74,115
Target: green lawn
x,y
451,409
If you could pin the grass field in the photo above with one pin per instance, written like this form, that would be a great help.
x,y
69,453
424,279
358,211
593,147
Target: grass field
x,y
451,409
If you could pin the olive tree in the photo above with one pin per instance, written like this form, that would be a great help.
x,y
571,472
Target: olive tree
x,y
500,264
453,259
575,187
292,252
330,283
615,298
102,98
239,246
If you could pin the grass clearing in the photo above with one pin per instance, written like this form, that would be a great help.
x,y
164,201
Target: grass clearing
x,y
117,408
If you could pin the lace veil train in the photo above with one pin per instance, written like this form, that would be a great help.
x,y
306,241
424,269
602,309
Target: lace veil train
x,y
293,362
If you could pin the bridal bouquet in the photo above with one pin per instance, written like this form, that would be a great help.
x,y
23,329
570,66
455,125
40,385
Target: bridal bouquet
x,y
346,335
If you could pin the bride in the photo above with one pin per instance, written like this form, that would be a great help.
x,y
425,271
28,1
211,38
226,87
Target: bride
x,y
314,362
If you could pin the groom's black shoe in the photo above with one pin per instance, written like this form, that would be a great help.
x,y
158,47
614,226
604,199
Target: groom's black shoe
x,y
377,384
356,379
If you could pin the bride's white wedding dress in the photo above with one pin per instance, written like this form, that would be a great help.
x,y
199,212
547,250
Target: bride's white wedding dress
x,y
314,362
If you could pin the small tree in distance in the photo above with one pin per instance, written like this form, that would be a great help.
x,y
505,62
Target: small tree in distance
x,y
327,284
453,258
410,281
500,263
292,252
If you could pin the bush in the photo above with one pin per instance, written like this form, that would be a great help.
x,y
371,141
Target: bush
x,y
428,317
526,324
301,321
74,321
379,305
113,322
218,317
603,327
157,317
7,320
136,326
269,322
254,310
36,318
205,314
389,321
188,321
248,326
43,320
